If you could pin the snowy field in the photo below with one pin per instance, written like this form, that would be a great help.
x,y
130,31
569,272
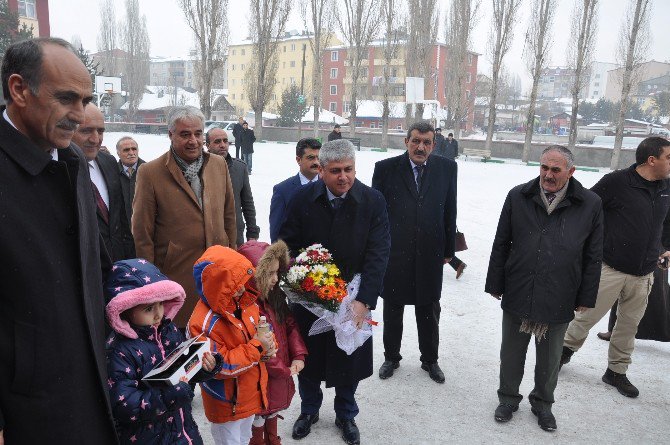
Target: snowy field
x,y
409,408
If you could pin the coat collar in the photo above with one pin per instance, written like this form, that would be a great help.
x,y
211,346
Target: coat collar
x,y
178,176
21,149
574,194
636,180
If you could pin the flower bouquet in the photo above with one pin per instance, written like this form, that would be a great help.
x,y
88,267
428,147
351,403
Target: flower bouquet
x,y
315,283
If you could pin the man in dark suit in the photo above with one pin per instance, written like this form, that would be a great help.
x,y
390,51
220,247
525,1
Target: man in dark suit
x,y
53,372
104,172
217,143
451,147
420,192
237,134
307,157
129,161
349,219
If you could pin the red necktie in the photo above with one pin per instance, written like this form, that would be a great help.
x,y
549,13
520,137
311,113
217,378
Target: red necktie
x,y
104,211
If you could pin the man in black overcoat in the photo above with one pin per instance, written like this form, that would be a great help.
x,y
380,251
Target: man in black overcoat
x,y
127,150
349,219
420,192
106,184
53,373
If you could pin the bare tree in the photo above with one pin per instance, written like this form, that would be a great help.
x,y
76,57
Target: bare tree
x,y
317,15
107,38
135,42
462,20
358,23
267,24
580,52
536,50
422,33
634,42
392,16
500,41
208,19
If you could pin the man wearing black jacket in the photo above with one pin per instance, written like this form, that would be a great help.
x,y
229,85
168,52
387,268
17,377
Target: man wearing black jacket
x,y
237,133
545,265
635,205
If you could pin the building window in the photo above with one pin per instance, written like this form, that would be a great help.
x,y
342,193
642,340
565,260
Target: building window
x,y
274,97
284,48
333,73
598,76
233,67
234,51
27,9
333,90
372,125
292,63
469,59
242,67
292,80
332,107
469,78
347,107
467,94
596,84
595,92
233,82
233,96
292,46
242,96
242,52
334,56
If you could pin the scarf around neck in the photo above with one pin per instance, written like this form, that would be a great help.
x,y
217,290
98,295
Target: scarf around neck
x,y
191,173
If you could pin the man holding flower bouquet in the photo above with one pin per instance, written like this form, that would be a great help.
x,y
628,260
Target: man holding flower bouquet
x,y
349,219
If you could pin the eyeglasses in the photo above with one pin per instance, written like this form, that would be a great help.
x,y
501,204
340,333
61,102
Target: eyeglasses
x,y
218,141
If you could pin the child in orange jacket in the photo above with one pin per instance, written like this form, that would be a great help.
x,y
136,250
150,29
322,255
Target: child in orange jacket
x,y
270,261
227,313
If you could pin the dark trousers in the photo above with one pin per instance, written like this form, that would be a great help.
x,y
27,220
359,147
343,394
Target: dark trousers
x,y
237,149
513,351
311,397
455,262
427,325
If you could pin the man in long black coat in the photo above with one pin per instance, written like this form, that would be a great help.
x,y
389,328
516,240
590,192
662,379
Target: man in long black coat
x,y
53,377
349,219
127,150
105,180
420,192
545,265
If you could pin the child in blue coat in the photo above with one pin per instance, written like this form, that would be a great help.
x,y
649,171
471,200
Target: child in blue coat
x,y
142,302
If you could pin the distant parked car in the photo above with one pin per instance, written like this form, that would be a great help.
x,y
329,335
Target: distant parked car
x,y
224,125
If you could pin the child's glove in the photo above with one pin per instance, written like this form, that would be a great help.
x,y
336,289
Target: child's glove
x,y
296,366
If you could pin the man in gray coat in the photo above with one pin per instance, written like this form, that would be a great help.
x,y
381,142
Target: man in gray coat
x,y
217,143
53,372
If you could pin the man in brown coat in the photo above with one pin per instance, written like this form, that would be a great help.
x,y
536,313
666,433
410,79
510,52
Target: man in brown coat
x,y
183,204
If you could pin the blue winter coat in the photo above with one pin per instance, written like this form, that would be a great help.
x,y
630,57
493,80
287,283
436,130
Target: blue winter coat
x,y
147,415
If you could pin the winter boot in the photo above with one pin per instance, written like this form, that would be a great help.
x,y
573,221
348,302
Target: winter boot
x,y
258,435
566,355
621,383
271,437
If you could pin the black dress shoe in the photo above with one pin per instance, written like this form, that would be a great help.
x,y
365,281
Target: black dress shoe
x,y
386,369
350,433
605,335
303,425
504,412
434,371
545,419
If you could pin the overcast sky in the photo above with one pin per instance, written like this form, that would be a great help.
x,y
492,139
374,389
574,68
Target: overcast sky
x,y
170,35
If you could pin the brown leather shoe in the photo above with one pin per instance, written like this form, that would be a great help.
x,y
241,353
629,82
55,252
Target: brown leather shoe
x,y
460,269
605,335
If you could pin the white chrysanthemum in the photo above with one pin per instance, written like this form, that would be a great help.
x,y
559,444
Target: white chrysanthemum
x,y
319,268
297,273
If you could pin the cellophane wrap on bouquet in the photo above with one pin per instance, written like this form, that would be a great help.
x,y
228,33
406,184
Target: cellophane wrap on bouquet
x,y
347,336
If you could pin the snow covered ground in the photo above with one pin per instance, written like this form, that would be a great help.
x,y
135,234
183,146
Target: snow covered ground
x,y
409,408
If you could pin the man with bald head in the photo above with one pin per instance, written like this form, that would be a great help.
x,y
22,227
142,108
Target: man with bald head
x,y
106,184
53,378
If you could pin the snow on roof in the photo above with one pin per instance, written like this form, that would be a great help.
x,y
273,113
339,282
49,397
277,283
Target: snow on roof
x,y
325,116
373,108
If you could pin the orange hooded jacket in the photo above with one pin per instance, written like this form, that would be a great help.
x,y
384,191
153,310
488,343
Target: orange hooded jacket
x,y
239,390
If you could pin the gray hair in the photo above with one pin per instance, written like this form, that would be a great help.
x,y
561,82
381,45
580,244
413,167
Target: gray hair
x,y
335,151
567,154
184,112
124,138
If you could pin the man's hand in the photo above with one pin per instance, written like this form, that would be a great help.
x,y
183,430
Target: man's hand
x,y
208,362
580,309
2,438
664,260
496,296
447,260
360,313
296,366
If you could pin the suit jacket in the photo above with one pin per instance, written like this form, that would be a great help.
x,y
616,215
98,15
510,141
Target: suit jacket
x,y
357,236
423,226
244,200
128,188
116,234
53,371
281,196
171,229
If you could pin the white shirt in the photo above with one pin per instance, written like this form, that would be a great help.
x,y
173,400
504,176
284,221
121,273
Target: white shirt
x,y
304,180
331,196
99,180
53,152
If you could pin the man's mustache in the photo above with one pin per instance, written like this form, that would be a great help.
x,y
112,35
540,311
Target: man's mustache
x,y
314,166
420,152
67,124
